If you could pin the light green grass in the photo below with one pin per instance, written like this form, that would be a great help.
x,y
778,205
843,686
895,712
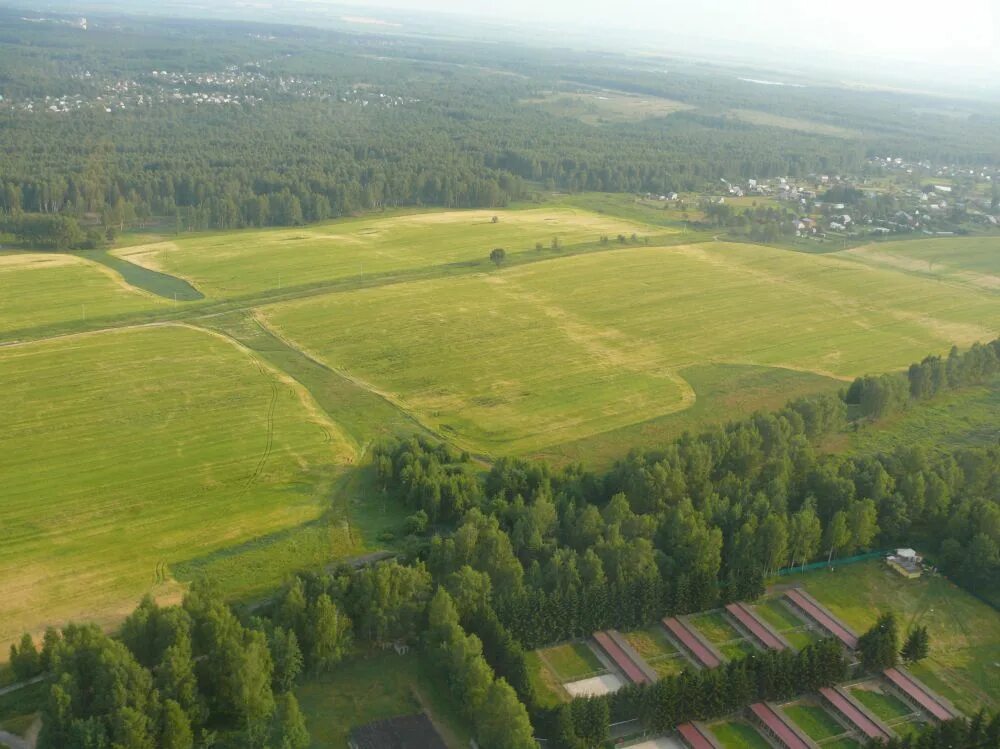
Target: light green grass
x,y
884,705
736,651
40,288
814,720
965,646
524,358
599,107
736,734
845,743
377,687
777,614
548,690
969,417
769,119
571,661
228,264
651,643
801,638
970,260
715,627
125,454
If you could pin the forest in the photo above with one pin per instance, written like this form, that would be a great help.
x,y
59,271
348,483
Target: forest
x,y
307,126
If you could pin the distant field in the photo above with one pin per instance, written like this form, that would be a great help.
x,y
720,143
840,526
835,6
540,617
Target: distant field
x,y
964,664
530,357
738,734
128,454
236,263
39,288
971,260
597,107
767,119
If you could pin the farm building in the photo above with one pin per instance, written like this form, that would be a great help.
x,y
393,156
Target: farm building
x,y
906,562
404,732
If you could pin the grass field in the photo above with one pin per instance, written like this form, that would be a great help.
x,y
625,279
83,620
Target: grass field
x,y
769,119
814,720
548,691
969,417
964,664
231,264
886,706
737,734
970,260
778,615
715,627
524,358
380,686
598,107
42,288
128,454
571,661
18,709
656,649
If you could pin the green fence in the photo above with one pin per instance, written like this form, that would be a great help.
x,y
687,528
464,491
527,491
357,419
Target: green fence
x,y
834,562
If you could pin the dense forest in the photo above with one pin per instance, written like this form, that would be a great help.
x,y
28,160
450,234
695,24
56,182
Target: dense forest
x,y
224,126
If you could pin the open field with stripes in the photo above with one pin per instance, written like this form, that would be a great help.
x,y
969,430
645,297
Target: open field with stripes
x,y
128,454
969,260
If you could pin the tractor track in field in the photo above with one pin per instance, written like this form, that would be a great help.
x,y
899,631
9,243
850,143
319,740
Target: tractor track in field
x,y
269,443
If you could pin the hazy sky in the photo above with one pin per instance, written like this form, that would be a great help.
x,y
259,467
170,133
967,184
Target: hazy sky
x,y
948,32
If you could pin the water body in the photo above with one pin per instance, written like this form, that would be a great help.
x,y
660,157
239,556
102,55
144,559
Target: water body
x,y
161,284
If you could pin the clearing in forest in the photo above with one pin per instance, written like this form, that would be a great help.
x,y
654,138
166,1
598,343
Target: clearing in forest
x,y
964,661
521,359
41,288
232,264
127,454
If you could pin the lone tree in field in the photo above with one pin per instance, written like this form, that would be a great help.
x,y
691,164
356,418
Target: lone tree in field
x,y
556,244
917,645
879,646
498,255
495,220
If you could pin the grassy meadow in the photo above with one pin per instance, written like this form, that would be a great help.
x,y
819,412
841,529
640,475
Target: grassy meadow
x,y
128,453
233,264
969,260
40,288
521,359
601,107
964,661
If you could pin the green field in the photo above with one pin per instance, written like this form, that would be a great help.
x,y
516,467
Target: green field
x,y
965,651
769,119
571,661
380,686
814,720
524,358
599,107
656,649
884,705
969,260
737,734
548,691
42,288
715,627
127,455
232,264
778,615
20,708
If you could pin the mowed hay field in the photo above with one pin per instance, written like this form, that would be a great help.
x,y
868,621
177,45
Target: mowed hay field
x,y
126,452
964,661
971,260
42,288
237,263
523,358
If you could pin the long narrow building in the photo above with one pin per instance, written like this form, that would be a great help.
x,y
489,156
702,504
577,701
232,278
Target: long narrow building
x,y
855,714
779,728
702,653
824,618
757,627
919,694
620,658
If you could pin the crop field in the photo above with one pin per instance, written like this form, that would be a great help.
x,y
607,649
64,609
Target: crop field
x,y
523,358
232,264
598,107
129,454
970,260
964,661
884,705
41,288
